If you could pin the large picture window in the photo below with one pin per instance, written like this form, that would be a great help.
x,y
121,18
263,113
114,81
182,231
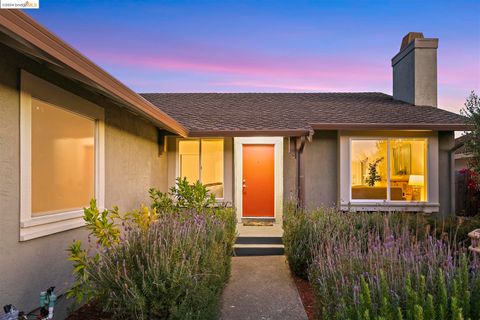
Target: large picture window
x,y
63,159
61,156
390,169
202,160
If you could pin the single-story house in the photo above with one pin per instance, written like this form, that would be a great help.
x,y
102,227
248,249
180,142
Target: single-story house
x,y
70,132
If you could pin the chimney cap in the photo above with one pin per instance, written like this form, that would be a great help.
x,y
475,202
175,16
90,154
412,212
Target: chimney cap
x,y
409,37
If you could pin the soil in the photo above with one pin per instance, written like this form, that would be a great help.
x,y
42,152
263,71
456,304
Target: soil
x,y
89,311
306,294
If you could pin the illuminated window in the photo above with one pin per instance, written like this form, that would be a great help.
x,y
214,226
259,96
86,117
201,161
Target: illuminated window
x,y
202,160
389,169
63,159
408,163
189,153
369,169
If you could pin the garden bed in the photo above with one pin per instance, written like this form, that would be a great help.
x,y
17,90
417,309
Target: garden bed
x,y
383,266
90,310
306,294
167,261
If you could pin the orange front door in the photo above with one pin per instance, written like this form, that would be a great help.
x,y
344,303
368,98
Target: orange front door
x,y
258,180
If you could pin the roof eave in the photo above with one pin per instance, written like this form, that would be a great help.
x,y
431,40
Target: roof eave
x,y
249,133
28,31
393,126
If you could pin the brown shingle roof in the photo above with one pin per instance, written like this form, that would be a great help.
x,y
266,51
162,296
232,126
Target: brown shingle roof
x,y
302,112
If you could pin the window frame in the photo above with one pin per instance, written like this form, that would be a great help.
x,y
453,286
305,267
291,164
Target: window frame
x,y
33,87
177,160
388,140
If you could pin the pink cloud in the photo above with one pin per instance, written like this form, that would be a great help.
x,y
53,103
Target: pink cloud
x,y
311,68
290,86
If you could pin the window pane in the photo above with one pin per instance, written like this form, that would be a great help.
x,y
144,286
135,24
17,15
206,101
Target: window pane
x,y
408,160
189,160
63,159
212,165
369,169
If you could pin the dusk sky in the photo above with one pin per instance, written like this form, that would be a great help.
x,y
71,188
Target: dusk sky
x,y
268,46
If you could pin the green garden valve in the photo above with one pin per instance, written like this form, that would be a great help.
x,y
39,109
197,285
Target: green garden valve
x,y
47,303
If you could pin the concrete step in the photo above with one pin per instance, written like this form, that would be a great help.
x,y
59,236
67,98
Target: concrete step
x,y
258,249
258,240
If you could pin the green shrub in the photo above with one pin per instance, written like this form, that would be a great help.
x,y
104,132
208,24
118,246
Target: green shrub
x,y
167,264
182,197
300,236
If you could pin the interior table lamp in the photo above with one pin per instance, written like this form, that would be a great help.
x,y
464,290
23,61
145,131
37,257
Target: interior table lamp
x,y
417,181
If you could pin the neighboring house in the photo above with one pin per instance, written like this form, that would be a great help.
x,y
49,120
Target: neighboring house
x,y
69,132
462,157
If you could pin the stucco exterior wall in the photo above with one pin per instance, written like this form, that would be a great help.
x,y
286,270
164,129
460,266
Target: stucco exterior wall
x,y
132,160
132,166
289,174
321,166
415,74
446,173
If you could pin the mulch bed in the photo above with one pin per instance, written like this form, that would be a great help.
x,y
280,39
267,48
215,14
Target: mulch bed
x,y
306,294
89,311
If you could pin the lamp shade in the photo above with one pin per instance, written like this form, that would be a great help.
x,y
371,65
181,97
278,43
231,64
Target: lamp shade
x,y
416,180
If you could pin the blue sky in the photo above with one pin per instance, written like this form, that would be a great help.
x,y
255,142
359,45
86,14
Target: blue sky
x,y
268,46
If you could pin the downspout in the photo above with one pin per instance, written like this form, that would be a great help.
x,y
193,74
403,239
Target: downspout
x,y
300,171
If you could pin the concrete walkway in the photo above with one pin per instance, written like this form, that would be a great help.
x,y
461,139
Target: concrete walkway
x,y
261,287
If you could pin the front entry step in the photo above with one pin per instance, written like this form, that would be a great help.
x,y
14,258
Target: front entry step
x,y
258,246
259,240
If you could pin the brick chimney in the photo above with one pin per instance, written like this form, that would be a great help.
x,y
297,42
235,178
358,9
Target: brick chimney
x,y
415,70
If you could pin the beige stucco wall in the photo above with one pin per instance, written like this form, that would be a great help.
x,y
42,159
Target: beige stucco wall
x,y
289,174
321,166
446,173
321,178
132,160
132,166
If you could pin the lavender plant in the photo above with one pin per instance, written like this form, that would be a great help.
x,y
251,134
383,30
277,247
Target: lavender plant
x,y
169,261
385,266
176,269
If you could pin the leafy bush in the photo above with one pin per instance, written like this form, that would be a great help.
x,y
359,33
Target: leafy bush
x,y
157,265
383,266
301,236
182,197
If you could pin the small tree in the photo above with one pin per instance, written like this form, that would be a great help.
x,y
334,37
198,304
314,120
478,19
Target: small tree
x,y
472,145
373,175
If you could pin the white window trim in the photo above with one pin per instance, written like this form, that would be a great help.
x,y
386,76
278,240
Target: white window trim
x,y
278,176
32,86
432,192
177,160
